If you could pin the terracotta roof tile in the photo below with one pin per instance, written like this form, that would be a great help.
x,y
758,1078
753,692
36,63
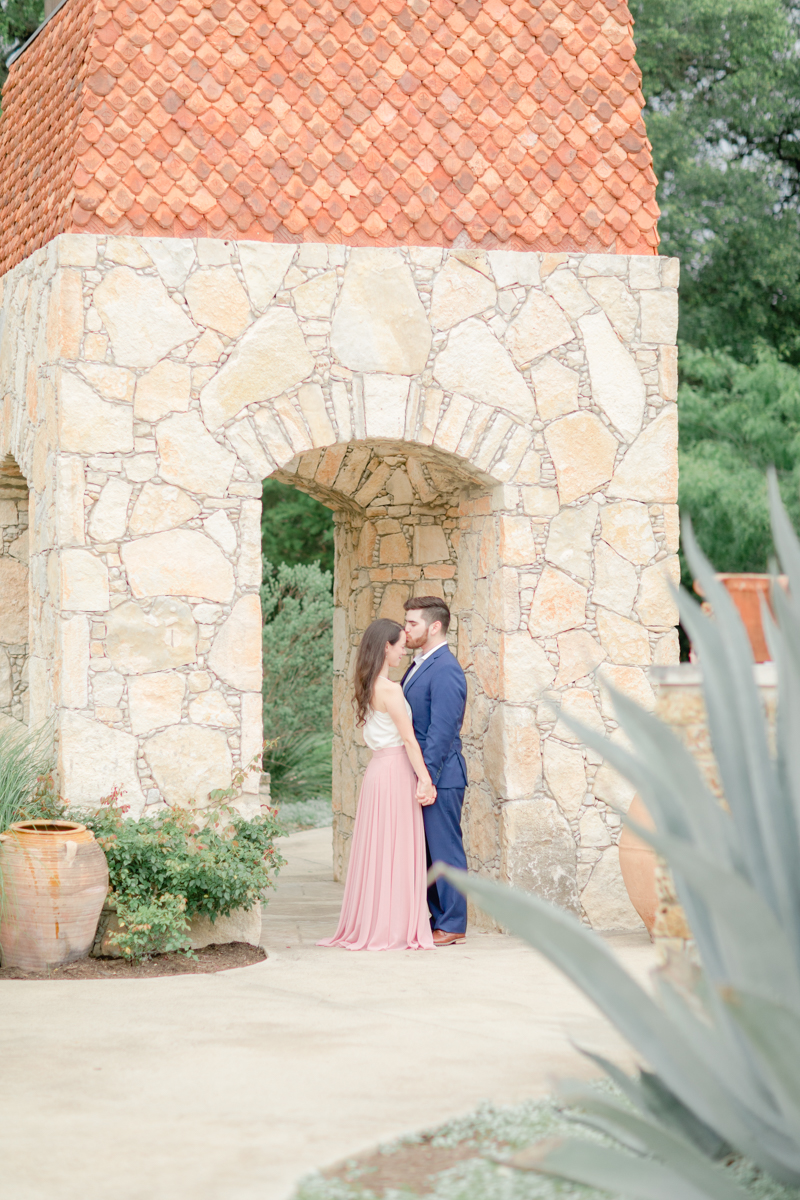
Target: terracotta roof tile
x,y
514,124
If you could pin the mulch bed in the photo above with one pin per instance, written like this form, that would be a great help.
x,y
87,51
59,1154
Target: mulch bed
x,y
410,1168
208,961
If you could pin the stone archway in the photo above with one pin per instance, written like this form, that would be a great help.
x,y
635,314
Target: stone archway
x,y
14,593
149,386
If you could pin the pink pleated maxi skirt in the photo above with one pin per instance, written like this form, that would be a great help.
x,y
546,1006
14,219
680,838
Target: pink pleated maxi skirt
x,y
385,897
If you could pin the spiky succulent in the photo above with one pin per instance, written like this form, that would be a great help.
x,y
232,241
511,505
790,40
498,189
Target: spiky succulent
x,y
723,1060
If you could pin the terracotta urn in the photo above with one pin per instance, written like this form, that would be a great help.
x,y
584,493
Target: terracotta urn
x,y
54,880
637,862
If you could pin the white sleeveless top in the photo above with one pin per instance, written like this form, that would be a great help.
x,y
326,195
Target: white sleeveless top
x,y
380,731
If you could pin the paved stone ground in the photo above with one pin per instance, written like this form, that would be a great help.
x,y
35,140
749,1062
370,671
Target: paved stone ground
x,y
229,1087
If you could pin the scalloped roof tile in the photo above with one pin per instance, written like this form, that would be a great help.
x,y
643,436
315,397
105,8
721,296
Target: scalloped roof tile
x,y
507,123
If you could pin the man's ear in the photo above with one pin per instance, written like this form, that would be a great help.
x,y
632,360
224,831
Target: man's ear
x,y
435,628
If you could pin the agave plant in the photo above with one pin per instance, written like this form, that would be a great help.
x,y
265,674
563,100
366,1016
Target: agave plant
x,y
26,755
723,1076
299,766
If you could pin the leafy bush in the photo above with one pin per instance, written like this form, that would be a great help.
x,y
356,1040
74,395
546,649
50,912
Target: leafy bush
x,y
723,1047
166,869
155,926
298,680
214,867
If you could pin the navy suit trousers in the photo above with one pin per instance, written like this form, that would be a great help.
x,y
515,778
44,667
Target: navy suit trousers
x,y
442,819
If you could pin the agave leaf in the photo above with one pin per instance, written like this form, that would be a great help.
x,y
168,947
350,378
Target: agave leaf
x,y
785,645
648,1137
783,534
588,963
736,726
752,941
716,1041
705,821
774,1030
663,770
619,1173
649,1094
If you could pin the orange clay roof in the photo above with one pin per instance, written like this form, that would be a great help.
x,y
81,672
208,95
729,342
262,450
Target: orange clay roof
x,y
512,123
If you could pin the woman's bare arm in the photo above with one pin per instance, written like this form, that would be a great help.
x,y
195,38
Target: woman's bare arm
x,y
391,695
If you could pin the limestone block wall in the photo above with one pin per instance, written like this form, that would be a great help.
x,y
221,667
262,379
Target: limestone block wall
x,y
14,606
498,425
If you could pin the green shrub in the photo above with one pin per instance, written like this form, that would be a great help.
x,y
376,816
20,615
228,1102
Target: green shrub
x,y
158,925
181,863
215,867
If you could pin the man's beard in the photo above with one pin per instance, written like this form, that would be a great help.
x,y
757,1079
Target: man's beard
x,y
413,643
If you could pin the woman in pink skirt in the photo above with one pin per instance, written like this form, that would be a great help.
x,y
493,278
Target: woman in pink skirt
x,y
385,899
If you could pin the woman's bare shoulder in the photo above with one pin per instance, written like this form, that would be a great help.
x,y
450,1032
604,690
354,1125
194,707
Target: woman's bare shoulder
x,y
386,687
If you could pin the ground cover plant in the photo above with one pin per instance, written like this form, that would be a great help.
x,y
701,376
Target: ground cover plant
x,y
296,815
472,1157
723,1048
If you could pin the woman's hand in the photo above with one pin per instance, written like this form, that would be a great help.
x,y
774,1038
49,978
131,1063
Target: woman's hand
x,y
426,792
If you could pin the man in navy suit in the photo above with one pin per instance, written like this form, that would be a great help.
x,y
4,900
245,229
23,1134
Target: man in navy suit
x,y
436,689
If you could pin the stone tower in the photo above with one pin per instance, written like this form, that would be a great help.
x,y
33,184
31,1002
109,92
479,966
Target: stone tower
x,y
402,256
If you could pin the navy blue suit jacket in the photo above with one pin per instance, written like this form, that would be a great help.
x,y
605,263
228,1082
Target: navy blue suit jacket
x,y
437,693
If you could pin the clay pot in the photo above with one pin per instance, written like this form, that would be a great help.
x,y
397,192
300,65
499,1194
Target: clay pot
x,y
747,591
637,862
54,880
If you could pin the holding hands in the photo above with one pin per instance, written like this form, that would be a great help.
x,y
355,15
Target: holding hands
x,y
426,792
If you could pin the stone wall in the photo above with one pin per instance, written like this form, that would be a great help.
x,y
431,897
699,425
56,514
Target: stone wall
x,y
498,425
13,592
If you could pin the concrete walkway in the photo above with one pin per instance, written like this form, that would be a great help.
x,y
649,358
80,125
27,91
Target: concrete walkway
x,y
231,1086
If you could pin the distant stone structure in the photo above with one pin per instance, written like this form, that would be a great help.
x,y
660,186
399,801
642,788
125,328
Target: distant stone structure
x,y
402,257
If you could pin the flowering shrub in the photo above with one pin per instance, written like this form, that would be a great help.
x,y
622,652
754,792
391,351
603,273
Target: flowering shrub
x,y
153,926
182,863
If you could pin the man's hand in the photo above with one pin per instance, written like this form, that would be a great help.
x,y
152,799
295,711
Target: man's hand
x,y
426,793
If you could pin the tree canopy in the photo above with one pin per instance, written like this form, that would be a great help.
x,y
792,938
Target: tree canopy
x,y
295,528
722,84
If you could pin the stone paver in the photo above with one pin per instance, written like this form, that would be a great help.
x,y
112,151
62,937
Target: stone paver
x,y
229,1087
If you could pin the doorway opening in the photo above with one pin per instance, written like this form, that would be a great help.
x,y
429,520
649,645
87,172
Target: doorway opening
x,y
406,519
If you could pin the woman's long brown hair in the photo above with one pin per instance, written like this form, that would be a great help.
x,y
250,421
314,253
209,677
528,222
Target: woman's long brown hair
x,y
371,654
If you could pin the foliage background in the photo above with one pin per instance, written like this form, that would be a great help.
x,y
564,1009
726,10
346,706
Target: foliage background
x,y
297,607
722,84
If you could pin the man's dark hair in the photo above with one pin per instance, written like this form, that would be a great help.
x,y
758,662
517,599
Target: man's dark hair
x,y
433,608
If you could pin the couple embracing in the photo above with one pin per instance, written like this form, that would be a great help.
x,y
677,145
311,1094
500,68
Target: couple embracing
x,y
409,810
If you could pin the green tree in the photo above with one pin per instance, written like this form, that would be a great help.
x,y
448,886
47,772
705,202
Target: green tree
x,y
297,608
295,528
297,605
18,20
736,420
722,83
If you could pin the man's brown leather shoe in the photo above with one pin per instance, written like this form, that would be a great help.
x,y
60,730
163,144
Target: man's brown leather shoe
x,y
444,937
